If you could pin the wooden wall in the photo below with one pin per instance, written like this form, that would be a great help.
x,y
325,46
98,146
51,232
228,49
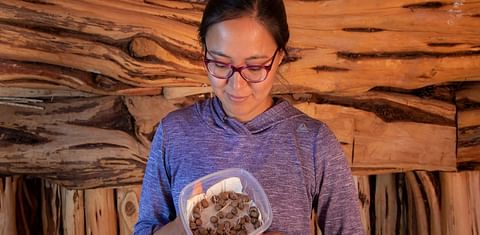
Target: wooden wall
x,y
83,85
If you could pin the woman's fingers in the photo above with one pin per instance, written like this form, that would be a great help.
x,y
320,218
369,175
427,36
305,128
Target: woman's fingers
x,y
197,188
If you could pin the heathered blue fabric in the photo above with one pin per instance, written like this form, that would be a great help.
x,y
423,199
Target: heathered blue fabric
x,y
297,159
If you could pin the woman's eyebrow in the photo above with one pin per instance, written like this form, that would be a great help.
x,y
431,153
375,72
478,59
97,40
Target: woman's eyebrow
x,y
218,53
221,54
256,57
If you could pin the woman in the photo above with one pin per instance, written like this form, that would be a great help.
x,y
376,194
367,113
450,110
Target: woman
x,y
296,158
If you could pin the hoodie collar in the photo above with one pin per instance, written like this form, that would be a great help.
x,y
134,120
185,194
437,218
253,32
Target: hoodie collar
x,y
212,112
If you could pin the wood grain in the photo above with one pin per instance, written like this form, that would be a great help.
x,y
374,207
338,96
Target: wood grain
x,y
139,47
385,204
73,211
78,143
468,122
100,212
51,208
363,188
389,131
8,189
460,202
127,208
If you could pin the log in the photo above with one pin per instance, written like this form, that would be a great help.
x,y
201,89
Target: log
x,y
52,137
76,143
73,212
100,212
126,47
29,205
387,131
385,204
179,92
418,201
403,203
147,111
357,45
411,210
81,142
11,92
363,187
8,189
433,201
127,208
367,77
460,202
468,123
113,145
119,52
51,208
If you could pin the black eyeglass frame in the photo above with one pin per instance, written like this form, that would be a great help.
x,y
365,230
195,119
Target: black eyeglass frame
x,y
239,69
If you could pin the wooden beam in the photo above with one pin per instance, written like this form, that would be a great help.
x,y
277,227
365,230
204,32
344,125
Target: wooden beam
x,y
363,187
73,211
432,197
96,47
77,143
8,189
420,214
41,93
100,212
386,204
147,111
127,208
51,208
112,136
388,132
468,124
82,142
460,202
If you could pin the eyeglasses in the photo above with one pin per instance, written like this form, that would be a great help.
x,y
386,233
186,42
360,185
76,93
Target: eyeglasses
x,y
251,73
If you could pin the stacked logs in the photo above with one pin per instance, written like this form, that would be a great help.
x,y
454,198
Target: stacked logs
x,y
83,85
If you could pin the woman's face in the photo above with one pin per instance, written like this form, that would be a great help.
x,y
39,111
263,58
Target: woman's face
x,y
242,42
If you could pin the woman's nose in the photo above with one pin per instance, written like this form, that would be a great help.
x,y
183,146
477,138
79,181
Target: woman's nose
x,y
236,81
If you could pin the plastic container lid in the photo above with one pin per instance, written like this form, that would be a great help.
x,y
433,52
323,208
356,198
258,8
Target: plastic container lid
x,y
232,179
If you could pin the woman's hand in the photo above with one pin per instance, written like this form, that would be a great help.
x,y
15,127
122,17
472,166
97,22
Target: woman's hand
x,y
173,228
176,227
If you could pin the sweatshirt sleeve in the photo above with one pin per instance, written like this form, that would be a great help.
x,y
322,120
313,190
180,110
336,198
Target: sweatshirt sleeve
x,y
156,204
338,209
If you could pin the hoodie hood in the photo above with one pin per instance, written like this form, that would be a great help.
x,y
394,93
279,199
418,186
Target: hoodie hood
x,y
211,111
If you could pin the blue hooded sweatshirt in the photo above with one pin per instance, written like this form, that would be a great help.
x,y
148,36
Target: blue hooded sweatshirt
x,y
296,159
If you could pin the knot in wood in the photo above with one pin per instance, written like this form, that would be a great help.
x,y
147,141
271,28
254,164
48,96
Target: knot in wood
x,y
130,208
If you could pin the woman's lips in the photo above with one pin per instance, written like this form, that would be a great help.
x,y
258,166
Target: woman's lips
x,y
236,98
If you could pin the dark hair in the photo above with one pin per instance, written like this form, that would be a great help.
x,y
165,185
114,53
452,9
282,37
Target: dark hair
x,y
270,13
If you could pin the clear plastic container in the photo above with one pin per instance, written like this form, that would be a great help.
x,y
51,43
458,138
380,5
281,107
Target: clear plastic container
x,y
233,179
